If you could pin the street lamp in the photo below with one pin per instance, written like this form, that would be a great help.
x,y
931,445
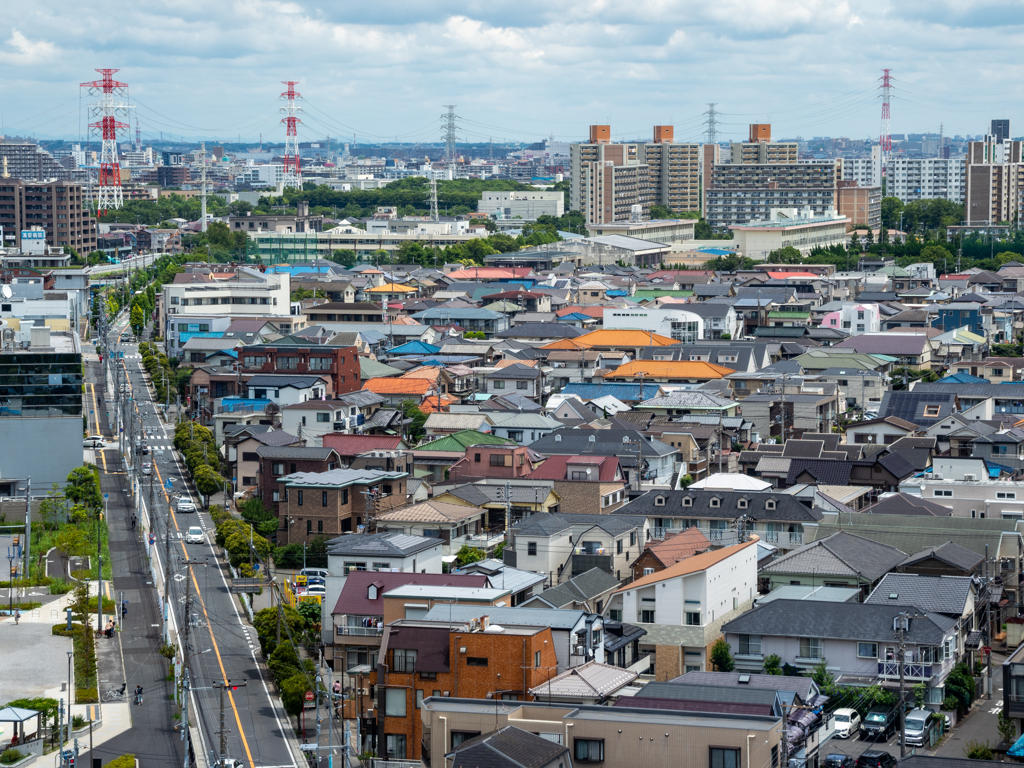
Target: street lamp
x,y
70,655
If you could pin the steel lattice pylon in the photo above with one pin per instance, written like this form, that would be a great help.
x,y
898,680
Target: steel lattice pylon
x,y
108,109
292,162
885,135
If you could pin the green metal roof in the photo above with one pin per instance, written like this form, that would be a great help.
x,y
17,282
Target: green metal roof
x,y
789,315
460,441
371,369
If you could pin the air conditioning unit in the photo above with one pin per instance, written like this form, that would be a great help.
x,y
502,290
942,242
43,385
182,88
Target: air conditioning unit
x,y
936,476
579,650
970,477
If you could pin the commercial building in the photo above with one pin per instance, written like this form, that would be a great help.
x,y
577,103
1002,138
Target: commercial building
x,y
526,205
248,292
926,178
57,207
301,221
740,194
678,324
862,206
789,227
41,410
659,231
302,247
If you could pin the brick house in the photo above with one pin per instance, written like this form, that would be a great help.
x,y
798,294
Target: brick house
x,y
493,461
340,365
331,503
276,461
242,444
350,446
659,554
586,484
420,659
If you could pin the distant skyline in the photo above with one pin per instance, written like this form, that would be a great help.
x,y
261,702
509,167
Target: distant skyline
x,y
517,71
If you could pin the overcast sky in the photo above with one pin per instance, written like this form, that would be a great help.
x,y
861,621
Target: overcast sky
x,y
516,69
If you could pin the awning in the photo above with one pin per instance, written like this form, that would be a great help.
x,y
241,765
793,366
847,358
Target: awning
x,y
973,639
449,558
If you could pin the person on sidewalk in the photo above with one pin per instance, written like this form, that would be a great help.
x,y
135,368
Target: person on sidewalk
x,y
17,616
138,694
124,610
133,522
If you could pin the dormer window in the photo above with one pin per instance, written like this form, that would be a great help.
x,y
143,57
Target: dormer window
x,y
742,503
770,504
687,501
558,438
716,502
659,501
371,593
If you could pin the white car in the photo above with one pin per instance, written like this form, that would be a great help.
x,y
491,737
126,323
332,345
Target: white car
x,y
314,589
93,441
147,468
185,504
847,723
195,535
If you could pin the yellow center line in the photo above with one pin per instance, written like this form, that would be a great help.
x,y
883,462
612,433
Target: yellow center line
x,y
209,626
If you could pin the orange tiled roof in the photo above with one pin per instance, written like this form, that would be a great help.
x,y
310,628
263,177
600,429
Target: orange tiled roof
x,y
609,338
397,386
430,404
693,564
428,372
690,369
672,549
596,312
507,363
391,288
565,344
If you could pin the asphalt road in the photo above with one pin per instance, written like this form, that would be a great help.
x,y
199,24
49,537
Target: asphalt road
x,y
223,646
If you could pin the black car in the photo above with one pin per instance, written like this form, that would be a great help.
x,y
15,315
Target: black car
x,y
879,723
874,759
838,760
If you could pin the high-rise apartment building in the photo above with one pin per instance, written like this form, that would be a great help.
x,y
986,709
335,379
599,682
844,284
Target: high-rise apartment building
x,y
742,193
761,150
29,162
607,180
910,178
993,179
1001,130
58,207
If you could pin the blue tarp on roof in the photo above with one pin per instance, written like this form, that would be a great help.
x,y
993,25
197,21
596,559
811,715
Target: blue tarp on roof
x,y
414,348
623,391
232,404
994,470
1017,750
616,293
716,251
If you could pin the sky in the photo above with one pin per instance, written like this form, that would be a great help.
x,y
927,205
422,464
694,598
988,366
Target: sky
x,y
515,69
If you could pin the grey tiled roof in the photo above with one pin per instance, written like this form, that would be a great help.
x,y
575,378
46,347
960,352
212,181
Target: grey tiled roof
x,y
544,524
527,617
786,507
297,453
940,594
804,687
842,554
586,586
379,544
954,554
276,380
838,621
508,747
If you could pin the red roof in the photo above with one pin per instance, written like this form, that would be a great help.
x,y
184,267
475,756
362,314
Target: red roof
x,y
351,445
556,467
597,312
490,273
788,275
354,597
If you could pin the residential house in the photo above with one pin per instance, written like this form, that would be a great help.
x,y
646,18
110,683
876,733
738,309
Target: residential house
x,y
684,607
584,483
396,390
1003,448
947,559
919,407
440,424
912,349
510,747
313,419
331,503
528,498
276,461
563,546
643,458
294,356
841,560
589,591
454,524
884,430
592,683
524,428
285,389
350,447
659,554
522,585
242,444
855,641
669,372
434,458
520,378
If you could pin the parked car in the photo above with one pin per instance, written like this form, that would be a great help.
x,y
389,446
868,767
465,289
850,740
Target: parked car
x,y
320,573
316,589
876,759
314,580
185,504
195,535
838,760
879,723
847,723
914,724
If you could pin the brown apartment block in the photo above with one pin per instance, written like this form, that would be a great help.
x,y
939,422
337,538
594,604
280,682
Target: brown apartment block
x,y
761,149
339,364
760,132
423,659
56,206
861,205
993,179
335,502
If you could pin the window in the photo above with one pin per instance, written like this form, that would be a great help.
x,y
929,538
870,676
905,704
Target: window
x,y
428,675
659,501
499,385
394,702
648,571
999,450
510,697
396,742
615,614
722,757
531,548
693,618
741,504
476,458
591,750
942,492
459,737
344,496
687,501
1006,495
770,504
323,417
500,460
319,526
632,538
300,498
810,648
716,502
997,371
419,698
618,547
536,660
250,456
277,468
476,661
867,650
750,645
309,527
404,660
646,617
323,498
522,384
931,410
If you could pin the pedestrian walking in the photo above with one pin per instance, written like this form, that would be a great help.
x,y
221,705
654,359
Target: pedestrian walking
x,y
17,616
138,694
133,522
124,609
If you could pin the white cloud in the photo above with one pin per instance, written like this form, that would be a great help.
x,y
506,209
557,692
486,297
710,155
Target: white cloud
x,y
21,50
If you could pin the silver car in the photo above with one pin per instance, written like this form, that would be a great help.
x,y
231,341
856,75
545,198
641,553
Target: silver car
x,y
195,535
185,504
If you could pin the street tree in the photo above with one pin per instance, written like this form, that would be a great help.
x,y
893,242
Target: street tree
x,y
70,542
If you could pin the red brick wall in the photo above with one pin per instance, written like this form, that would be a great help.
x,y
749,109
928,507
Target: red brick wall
x,y
343,373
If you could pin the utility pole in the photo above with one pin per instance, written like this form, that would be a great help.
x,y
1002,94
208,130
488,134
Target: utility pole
x,y
167,571
902,627
223,731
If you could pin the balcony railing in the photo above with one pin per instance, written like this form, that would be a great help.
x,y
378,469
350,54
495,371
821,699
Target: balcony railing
x,y
359,631
911,671
796,538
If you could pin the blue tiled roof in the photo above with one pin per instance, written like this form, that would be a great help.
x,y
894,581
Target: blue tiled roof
x,y
962,378
619,390
414,348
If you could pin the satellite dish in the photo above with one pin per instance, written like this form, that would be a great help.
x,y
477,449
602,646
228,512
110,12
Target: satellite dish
x,y
5,291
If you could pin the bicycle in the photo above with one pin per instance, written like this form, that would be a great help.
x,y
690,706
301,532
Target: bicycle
x,y
113,694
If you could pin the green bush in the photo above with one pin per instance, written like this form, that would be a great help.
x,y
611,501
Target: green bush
x,y
77,721
11,756
979,750
86,696
124,761
59,586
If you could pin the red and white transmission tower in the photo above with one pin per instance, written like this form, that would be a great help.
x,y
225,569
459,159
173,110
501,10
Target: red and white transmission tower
x,y
885,137
107,109
292,162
